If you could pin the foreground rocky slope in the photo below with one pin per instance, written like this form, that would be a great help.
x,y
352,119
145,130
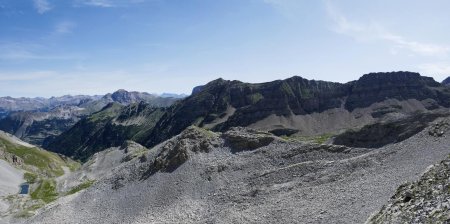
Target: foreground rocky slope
x,y
248,176
423,201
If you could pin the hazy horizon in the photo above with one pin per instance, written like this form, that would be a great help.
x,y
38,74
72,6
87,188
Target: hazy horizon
x,y
93,47
155,93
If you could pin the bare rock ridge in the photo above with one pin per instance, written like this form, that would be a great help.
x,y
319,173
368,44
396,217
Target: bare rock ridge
x,y
297,96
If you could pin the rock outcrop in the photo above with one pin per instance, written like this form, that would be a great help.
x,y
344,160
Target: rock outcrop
x,y
175,152
247,139
382,133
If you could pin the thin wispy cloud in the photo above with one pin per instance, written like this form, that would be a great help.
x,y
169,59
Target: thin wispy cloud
x,y
42,6
29,76
286,7
373,31
439,70
58,83
64,27
18,51
106,3
95,3
27,51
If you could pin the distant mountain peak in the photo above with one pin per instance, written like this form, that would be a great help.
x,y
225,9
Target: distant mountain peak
x,y
121,91
446,81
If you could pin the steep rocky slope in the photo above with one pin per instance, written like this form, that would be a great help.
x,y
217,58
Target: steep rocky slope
x,y
248,176
111,126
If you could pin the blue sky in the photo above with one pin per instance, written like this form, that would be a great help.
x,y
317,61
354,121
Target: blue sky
x,y
56,47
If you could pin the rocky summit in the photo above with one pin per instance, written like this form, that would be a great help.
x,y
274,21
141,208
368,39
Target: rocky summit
x,y
373,150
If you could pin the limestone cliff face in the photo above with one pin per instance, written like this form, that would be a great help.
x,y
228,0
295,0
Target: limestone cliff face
x,y
296,95
252,102
376,87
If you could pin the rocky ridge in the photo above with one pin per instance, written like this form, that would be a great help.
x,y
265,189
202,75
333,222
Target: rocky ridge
x,y
227,104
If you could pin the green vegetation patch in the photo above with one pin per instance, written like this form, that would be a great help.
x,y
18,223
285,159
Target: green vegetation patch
x,y
35,157
46,162
46,191
31,178
319,139
107,113
29,211
205,132
255,97
80,187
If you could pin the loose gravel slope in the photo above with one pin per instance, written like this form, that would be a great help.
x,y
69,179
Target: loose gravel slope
x,y
202,177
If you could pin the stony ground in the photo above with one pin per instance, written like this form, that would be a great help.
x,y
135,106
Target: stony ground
x,y
203,177
10,179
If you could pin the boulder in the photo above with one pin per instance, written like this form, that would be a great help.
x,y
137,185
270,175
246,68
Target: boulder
x,y
241,139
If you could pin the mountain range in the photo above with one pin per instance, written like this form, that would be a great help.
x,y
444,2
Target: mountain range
x,y
291,106
285,151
